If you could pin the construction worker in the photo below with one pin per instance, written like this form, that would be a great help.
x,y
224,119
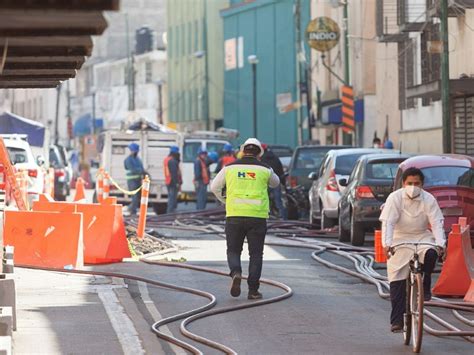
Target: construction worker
x,y
135,172
226,158
410,215
246,182
202,177
173,179
269,158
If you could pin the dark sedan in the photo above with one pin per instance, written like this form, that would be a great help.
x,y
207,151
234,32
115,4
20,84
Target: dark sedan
x,y
367,189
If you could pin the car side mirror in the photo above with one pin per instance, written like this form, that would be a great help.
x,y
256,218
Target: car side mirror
x,y
343,182
40,160
313,176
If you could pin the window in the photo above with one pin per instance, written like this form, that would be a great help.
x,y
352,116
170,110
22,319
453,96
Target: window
x,y
381,170
309,159
190,151
214,147
17,155
449,176
345,163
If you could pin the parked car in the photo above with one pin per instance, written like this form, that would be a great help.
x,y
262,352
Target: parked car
x,y
326,189
450,179
22,158
62,177
367,188
283,152
307,159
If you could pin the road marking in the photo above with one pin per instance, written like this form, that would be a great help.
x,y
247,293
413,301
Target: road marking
x,y
122,324
156,315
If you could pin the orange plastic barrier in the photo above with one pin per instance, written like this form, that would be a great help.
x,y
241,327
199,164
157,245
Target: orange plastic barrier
x,y
380,256
454,279
48,239
105,239
100,185
80,190
468,251
143,207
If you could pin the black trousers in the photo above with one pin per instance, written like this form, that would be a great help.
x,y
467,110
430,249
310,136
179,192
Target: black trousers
x,y
398,289
236,230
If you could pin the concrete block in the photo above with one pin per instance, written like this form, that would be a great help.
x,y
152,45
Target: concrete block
x,y
8,297
5,345
6,321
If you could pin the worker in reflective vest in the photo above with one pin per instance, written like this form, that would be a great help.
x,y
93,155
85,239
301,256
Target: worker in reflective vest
x,y
173,179
226,159
135,171
201,179
246,183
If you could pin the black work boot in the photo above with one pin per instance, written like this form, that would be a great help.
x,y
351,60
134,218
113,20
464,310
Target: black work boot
x,y
397,328
427,287
254,295
235,285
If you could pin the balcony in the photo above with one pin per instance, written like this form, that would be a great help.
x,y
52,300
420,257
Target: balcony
x,y
387,26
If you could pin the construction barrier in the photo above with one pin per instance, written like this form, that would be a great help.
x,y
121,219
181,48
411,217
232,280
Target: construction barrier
x,y
380,256
9,171
80,190
106,187
455,279
143,207
47,239
100,185
104,233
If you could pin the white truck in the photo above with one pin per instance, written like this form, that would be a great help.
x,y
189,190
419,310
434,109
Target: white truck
x,y
154,147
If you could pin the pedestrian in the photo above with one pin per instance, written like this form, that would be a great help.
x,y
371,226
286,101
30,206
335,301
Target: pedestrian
x,y
173,178
246,183
376,143
135,172
226,158
201,179
269,158
388,144
410,215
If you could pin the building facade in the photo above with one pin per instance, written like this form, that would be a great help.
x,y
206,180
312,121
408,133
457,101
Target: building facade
x,y
272,34
195,64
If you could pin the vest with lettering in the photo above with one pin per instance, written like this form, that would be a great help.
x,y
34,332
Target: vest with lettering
x,y
247,190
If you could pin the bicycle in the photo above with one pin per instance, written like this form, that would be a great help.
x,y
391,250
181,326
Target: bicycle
x,y
413,317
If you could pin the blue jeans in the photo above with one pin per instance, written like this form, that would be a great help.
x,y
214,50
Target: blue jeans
x,y
201,195
276,194
134,184
172,198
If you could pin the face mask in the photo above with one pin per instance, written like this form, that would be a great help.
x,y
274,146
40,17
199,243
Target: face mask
x,y
412,191
376,146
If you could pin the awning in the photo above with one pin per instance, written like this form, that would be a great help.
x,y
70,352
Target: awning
x,y
14,124
83,125
332,114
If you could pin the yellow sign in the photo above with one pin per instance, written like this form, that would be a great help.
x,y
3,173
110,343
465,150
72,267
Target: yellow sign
x,y
322,34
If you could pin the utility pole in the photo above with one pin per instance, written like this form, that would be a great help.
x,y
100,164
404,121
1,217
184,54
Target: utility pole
x,y
298,70
445,78
347,75
129,64
69,118
56,121
206,69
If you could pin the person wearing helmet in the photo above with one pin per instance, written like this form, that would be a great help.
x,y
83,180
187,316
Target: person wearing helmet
x,y
227,157
388,144
134,171
246,183
173,179
202,177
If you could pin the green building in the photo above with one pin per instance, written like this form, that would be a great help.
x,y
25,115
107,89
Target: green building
x,y
195,63
270,31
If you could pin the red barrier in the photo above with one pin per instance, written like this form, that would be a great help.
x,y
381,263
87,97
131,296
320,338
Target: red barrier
x,y
105,239
468,251
80,190
380,256
49,239
454,279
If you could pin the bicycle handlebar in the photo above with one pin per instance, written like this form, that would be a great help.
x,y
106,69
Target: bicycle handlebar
x,y
415,244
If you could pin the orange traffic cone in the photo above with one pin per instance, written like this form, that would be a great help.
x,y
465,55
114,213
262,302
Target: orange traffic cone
x,y
80,191
380,256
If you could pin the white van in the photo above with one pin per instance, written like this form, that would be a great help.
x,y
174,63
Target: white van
x,y
189,153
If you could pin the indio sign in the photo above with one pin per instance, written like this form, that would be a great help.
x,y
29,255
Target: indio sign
x,y
322,34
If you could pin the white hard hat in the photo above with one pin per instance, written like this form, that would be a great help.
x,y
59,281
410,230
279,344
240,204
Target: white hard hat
x,y
252,141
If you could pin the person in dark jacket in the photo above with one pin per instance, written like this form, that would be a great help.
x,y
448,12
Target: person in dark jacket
x,y
173,178
135,171
202,177
274,162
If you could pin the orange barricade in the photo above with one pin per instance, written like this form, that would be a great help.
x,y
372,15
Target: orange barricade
x,y
454,279
105,239
106,187
47,239
80,191
143,207
100,185
380,256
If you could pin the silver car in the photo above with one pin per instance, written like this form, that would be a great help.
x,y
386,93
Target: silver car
x,y
326,190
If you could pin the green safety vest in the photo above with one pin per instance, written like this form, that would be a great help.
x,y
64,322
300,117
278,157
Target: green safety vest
x,y
247,191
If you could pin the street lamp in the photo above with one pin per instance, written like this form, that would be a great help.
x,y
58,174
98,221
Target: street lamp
x,y
159,84
253,61
93,109
203,55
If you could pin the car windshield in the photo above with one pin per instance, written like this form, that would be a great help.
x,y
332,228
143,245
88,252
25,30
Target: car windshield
x,y
55,159
190,151
214,147
17,155
345,163
381,170
281,152
448,176
309,159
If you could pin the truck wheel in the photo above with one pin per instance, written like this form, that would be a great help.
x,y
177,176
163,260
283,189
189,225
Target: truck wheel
x,y
160,208
357,232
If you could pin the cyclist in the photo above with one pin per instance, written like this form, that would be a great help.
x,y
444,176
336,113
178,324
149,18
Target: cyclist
x,y
408,216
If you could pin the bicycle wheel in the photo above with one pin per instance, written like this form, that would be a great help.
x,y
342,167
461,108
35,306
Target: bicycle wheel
x,y
417,303
407,315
